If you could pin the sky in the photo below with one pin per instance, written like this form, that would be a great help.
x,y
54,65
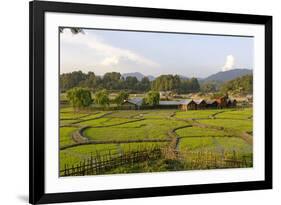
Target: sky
x,y
152,53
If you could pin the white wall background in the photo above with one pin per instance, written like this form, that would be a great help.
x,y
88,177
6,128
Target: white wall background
x,y
14,44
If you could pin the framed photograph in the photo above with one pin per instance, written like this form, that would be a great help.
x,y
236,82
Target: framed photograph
x,y
130,102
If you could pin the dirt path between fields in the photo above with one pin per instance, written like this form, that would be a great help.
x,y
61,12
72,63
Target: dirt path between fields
x,y
175,137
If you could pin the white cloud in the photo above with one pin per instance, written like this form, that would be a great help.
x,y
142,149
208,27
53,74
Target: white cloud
x,y
110,61
229,63
109,56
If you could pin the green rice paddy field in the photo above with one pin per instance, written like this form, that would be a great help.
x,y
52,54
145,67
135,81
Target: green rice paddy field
x,y
118,132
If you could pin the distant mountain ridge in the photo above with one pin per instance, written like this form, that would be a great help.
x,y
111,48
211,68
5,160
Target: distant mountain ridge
x,y
224,76
138,75
220,77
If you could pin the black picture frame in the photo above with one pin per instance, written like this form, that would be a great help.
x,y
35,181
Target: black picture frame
x,y
37,111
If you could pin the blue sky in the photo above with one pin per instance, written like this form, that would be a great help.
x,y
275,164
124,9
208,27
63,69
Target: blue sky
x,y
153,53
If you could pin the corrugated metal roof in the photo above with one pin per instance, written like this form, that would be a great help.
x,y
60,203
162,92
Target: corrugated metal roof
x,y
136,101
169,102
186,101
198,101
210,101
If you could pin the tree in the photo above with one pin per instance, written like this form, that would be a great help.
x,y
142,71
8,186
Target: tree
x,y
241,85
79,97
209,87
89,81
115,81
166,83
144,84
112,80
121,97
71,80
131,83
219,95
152,98
101,98
194,85
184,86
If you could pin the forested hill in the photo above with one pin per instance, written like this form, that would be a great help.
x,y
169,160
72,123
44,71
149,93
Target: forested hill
x,y
116,82
240,85
228,75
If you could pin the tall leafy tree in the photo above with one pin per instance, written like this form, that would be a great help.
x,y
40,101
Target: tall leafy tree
x,y
112,80
131,83
144,84
152,98
121,97
194,85
166,83
91,81
79,97
102,98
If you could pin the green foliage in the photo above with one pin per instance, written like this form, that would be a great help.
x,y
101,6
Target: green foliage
x,y
241,85
121,97
131,83
90,81
196,144
144,84
102,98
194,85
79,97
209,87
219,95
152,98
166,83
71,80
110,81
176,84
114,81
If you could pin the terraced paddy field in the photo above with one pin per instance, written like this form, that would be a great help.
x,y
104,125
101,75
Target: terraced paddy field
x,y
195,139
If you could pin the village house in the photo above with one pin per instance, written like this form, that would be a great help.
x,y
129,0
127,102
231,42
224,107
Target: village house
x,y
201,104
231,103
132,104
169,104
188,105
212,104
222,102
